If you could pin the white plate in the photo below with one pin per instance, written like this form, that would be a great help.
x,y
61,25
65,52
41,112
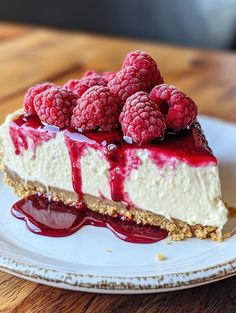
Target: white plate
x,y
83,261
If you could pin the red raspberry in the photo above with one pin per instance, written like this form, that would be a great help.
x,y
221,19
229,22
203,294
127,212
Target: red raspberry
x,y
89,72
181,111
54,106
127,82
147,66
108,76
71,84
80,86
96,109
30,95
141,118
93,79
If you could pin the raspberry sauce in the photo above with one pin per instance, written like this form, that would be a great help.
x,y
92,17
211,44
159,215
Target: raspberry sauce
x,y
111,148
30,127
55,219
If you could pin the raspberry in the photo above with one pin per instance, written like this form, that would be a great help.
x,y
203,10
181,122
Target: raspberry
x,y
108,76
93,79
89,73
127,82
54,106
147,66
30,95
89,79
96,109
181,111
71,84
141,118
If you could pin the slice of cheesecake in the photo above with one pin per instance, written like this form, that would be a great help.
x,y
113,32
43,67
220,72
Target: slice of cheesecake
x,y
171,183
123,144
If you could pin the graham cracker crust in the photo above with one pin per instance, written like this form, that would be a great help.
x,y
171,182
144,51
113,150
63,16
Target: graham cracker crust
x,y
177,230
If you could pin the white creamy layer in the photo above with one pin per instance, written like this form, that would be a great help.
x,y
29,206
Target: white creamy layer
x,y
191,194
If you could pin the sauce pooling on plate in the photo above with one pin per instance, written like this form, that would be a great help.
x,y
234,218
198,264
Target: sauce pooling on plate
x,y
55,219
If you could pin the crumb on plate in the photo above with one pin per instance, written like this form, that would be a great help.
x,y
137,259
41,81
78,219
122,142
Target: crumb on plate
x,y
160,257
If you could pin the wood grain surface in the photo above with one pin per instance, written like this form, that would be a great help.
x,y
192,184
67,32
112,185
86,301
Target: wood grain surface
x,y
29,55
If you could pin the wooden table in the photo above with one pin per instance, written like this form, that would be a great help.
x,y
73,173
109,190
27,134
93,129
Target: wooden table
x,y
29,55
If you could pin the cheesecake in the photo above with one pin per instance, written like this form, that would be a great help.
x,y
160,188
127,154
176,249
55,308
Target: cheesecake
x,y
173,184
137,154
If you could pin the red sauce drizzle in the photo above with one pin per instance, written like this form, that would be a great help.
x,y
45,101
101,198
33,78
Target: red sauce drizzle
x,y
109,144
25,127
55,219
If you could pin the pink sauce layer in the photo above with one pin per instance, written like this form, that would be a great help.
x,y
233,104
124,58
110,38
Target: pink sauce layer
x,y
188,146
56,219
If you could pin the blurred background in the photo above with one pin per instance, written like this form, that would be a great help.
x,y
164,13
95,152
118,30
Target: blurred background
x,y
199,23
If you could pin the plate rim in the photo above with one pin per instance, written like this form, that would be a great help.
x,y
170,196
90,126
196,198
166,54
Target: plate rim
x,y
117,284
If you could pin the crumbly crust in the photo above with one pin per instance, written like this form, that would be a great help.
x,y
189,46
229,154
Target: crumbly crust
x,y
178,230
